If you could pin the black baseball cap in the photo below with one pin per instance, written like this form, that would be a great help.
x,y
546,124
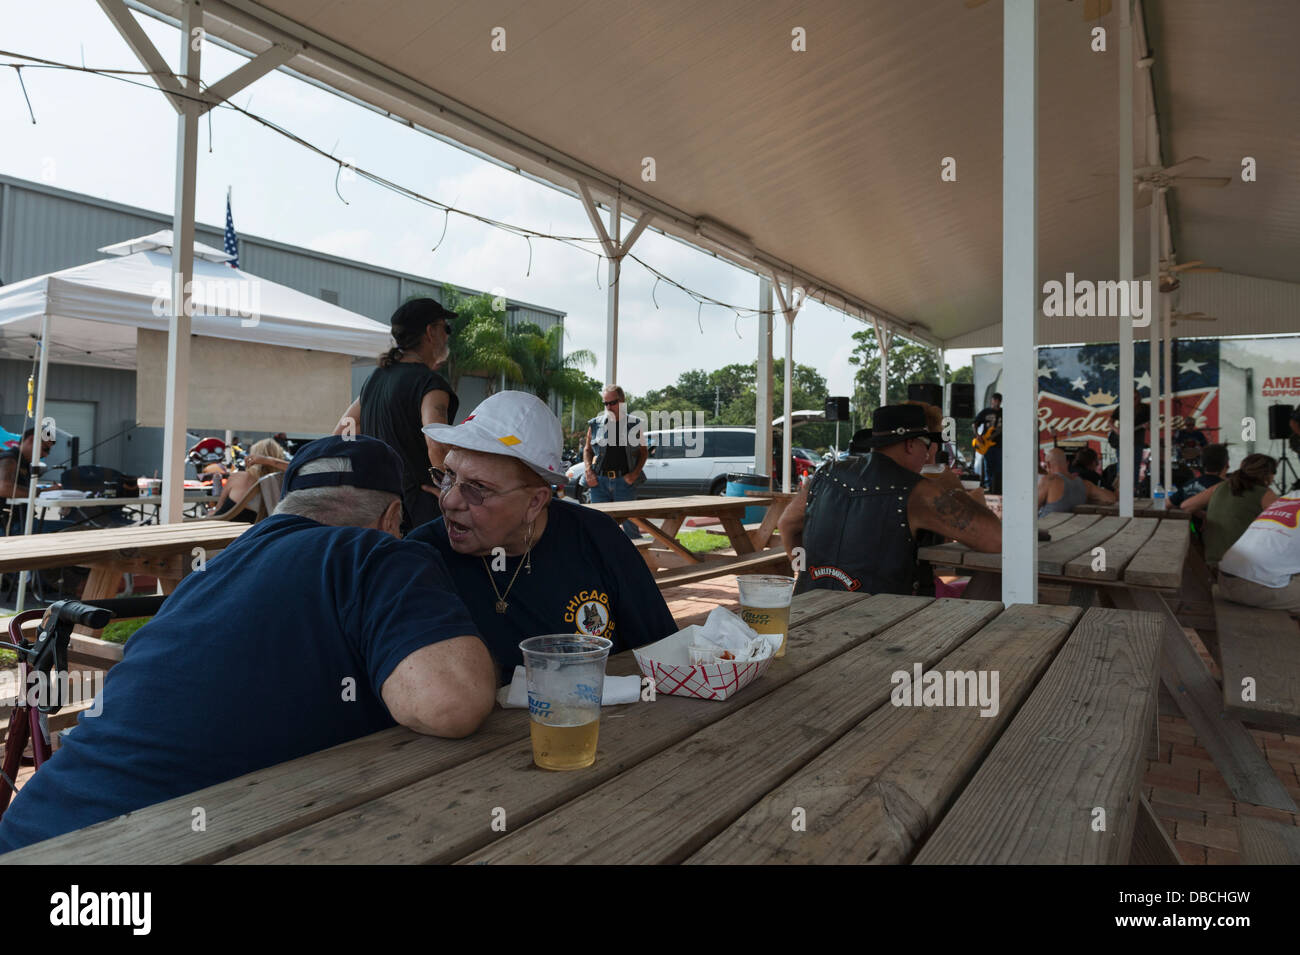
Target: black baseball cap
x,y
375,466
419,312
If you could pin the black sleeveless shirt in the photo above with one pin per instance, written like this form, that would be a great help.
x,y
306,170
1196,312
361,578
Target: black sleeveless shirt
x,y
856,534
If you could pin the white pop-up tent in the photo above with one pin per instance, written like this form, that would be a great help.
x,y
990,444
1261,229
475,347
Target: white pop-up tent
x,y
97,308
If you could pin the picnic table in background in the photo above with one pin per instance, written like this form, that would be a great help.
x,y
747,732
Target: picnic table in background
x,y
1142,507
815,741
674,564
46,502
164,551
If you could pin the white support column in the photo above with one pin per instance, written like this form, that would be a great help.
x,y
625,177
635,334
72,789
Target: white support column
x,y
1153,329
763,381
615,249
178,328
1169,387
1020,301
1127,465
611,304
789,308
943,384
37,447
884,338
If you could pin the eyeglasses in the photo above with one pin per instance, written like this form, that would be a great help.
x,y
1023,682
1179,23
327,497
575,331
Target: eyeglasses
x,y
474,495
610,404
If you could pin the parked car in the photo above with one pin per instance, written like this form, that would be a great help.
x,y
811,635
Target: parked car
x,y
696,460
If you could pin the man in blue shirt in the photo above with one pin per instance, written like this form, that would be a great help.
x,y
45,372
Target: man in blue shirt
x,y
316,627
525,563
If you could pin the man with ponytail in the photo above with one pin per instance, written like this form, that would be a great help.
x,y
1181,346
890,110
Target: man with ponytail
x,y
404,394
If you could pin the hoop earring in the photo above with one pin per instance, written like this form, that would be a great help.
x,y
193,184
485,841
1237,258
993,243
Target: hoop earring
x,y
528,551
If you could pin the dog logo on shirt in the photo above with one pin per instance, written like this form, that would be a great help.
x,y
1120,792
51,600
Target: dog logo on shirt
x,y
589,613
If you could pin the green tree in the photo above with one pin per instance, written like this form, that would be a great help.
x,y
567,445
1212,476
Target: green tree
x,y
479,344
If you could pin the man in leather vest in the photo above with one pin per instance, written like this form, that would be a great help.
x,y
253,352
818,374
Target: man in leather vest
x,y
615,453
860,520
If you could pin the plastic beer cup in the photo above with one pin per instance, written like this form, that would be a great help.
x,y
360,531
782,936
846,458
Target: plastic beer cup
x,y
765,604
566,677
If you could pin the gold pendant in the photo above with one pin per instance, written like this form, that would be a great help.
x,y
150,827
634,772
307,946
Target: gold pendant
x,y
501,606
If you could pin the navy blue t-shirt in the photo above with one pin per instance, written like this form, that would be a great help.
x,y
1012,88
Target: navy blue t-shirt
x,y
248,664
587,578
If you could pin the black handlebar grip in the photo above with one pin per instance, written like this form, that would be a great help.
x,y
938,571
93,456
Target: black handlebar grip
x,y
122,607
76,612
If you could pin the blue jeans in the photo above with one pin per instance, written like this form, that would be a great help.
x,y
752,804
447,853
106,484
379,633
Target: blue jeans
x,y
609,489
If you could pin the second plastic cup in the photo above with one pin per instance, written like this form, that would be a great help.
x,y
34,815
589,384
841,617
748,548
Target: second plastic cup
x,y
765,604
566,677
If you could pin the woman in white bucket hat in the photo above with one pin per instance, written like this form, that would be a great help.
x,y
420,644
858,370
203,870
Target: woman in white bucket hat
x,y
525,562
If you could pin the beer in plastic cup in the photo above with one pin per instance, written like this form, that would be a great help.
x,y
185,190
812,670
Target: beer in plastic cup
x,y
765,604
566,677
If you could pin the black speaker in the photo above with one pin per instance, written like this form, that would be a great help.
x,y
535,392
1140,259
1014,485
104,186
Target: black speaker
x,y
837,409
1279,418
962,397
926,391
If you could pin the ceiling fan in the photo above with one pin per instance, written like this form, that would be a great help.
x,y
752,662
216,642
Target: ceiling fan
x,y
1092,9
1147,179
1169,273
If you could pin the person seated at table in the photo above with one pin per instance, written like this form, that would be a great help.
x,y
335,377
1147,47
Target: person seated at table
x,y
1231,505
1061,491
16,465
318,626
860,521
1262,569
1085,466
264,457
527,563
1214,468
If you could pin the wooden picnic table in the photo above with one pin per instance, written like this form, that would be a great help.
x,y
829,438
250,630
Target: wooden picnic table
x,y
1142,507
810,763
164,551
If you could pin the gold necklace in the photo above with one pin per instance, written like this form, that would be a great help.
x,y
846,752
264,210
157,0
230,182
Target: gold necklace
x,y
501,605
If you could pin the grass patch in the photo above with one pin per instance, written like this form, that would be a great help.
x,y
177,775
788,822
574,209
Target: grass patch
x,y
119,630
701,541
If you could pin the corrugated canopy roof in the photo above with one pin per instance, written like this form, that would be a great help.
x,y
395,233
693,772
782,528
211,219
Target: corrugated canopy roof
x,y
829,160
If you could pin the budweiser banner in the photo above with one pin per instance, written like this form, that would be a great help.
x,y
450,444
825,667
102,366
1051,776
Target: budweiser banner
x,y
1220,387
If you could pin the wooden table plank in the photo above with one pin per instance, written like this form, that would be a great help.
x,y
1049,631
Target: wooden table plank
x,y
1159,562
668,541
1060,532
710,778
1264,647
1054,555
952,554
85,547
694,505
1120,549
874,794
1268,841
1151,843
448,816
1075,746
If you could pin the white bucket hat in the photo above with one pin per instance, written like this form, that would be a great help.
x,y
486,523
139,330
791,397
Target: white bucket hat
x,y
515,424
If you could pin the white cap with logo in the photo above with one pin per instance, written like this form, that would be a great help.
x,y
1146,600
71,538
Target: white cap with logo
x,y
513,423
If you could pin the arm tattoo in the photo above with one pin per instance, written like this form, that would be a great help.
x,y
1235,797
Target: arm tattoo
x,y
956,509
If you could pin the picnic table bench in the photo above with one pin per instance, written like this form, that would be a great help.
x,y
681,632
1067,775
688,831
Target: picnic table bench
x,y
1259,651
1142,507
815,741
674,564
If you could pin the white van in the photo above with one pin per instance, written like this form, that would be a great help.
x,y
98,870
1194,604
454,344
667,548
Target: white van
x,y
696,460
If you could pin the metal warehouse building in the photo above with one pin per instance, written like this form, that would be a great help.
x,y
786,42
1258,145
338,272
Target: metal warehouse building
x,y
43,229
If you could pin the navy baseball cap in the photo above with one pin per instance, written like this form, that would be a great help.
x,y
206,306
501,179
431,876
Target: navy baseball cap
x,y
419,312
375,466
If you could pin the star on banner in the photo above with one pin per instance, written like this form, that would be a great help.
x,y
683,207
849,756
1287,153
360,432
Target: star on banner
x,y
1109,366
1079,383
1191,366
1045,372
1143,382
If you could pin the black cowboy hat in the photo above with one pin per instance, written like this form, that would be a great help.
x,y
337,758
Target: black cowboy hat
x,y
894,423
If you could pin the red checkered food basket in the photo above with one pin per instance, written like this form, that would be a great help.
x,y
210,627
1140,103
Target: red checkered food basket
x,y
667,662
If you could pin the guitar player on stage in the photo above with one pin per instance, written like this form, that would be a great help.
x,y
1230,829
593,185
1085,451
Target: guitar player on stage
x,y
988,442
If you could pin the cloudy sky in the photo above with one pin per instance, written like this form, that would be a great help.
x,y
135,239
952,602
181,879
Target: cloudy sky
x,y
117,141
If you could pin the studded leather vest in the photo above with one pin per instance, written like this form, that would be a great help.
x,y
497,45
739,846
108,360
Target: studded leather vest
x,y
855,530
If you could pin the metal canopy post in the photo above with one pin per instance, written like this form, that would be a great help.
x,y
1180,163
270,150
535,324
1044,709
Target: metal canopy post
x,y
1165,309
1020,303
763,380
1153,329
789,308
1127,466
190,102
615,249
37,449
943,383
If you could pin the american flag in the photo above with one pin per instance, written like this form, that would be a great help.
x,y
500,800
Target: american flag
x,y
232,240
